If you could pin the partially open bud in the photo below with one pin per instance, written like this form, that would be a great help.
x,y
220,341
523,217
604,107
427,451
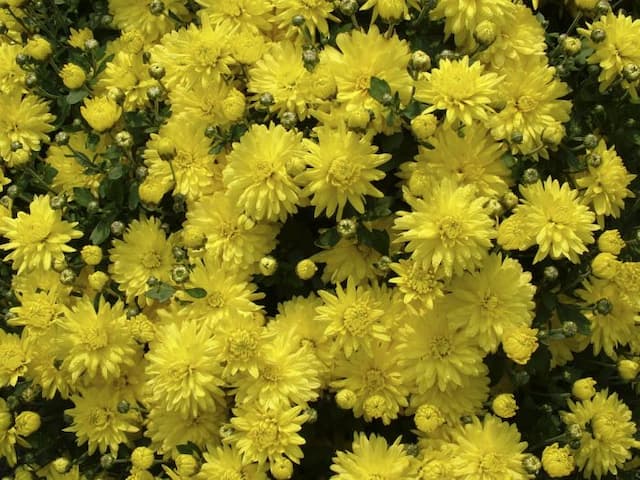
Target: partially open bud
x,y
584,388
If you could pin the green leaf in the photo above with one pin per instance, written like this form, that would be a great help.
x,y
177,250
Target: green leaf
x,y
378,88
378,208
161,292
188,448
571,313
82,196
101,231
134,196
328,238
76,96
413,110
376,239
196,292
116,172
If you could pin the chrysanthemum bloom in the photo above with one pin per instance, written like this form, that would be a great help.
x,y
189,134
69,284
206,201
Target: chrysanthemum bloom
x,y
288,374
448,229
362,56
373,457
167,429
612,328
99,344
605,182
433,353
97,421
226,462
281,72
557,461
8,436
78,38
619,48
178,157
14,359
258,172
195,54
464,91
551,216
130,74
420,286
244,15
341,167
354,317
519,343
390,10
143,252
207,105
37,238
101,112
129,15
462,16
230,236
183,373
531,93
472,159
607,433
315,12
370,374
348,259
487,301
25,121
11,75
504,405
489,450
265,433
37,313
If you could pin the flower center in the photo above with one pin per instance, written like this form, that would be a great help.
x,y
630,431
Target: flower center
x,y
206,54
151,260
38,314
490,464
264,170
489,302
374,380
95,339
265,433
183,160
604,426
357,319
100,417
440,347
215,299
363,82
270,373
36,232
449,229
422,281
242,345
342,172
10,359
526,103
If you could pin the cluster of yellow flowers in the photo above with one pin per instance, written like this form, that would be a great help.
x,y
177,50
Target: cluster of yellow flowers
x,y
162,340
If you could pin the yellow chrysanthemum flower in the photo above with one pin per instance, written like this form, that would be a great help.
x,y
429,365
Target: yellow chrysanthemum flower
x,y
490,450
607,433
78,38
464,91
531,95
206,105
43,371
259,172
354,318
619,48
36,313
341,167
435,354
375,378
448,229
195,54
373,457
487,301
265,433
473,158
315,12
8,436
37,238
11,75
24,124
244,15
226,462
420,286
143,252
137,15
97,421
390,10
557,461
14,358
605,183
182,371
348,259
98,342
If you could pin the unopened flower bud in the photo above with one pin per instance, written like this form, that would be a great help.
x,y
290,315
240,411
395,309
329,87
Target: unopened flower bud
x,y
605,265
584,388
530,176
485,32
93,206
155,93
288,120
420,61
346,399
31,80
59,264
358,118
142,458
310,58
551,273
590,141
306,269
124,139
571,45
553,134
107,461
574,431
117,228
62,138
180,274
531,464
297,21
124,407
504,405
348,7
602,7
187,465
603,307
598,35
428,418
347,227
509,200
156,7
156,71
628,369
67,276
266,99
27,423
281,468
517,137
631,72
610,241
90,44
569,329
268,266
61,465
98,280
557,461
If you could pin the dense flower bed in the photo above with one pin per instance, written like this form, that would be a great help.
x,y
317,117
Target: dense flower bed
x,y
311,239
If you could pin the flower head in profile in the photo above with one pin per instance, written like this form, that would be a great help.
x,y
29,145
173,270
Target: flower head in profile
x,y
258,172
341,167
464,91
14,358
552,217
37,238
449,229
373,457
101,113
608,433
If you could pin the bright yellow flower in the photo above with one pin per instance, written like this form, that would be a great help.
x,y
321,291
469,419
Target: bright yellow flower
x,y
128,15
315,12
38,48
101,113
348,259
584,388
245,15
557,461
227,462
14,358
504,405
11,75
519,343
73,76
78,38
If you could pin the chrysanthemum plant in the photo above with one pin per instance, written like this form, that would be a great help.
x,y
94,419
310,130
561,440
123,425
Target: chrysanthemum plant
x,y
392,239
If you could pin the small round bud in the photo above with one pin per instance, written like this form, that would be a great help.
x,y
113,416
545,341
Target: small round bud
x,y
574,431
13,191
504,405
584,388
494,208
107,461
210,131
132,311
553,134
155,93
310,58
603,307
61,465
569,329
631,72
142,458
428,418
124,139
420,61
530,176
346,399
124,407
116,95
358,118
574,444
521,377
106,20
312,415
297,21
67,276
550,273
93,206
27,423
605,265
180,274
187,465
598,35
268,266
348,7
91,43
179,253
306,269
30,393
384,264
610,241
531,464
156,7
593,160
347,227
628,369
156,71
141,172
288,120
590,141
193,237
98,280
13,402
91,254
571,45
62,138
517,138
22,59
152,281
117,228
485,32
509,200
546,408
59,264
266,99
602,7
281,468
31,80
